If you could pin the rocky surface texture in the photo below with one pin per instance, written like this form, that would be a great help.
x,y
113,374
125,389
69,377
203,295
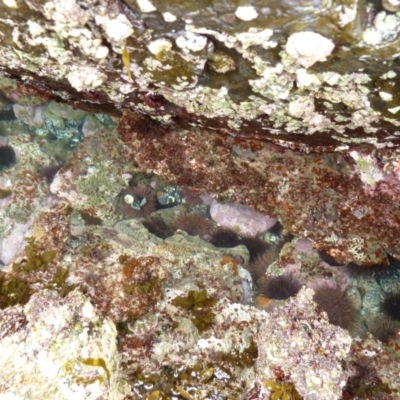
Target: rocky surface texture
x,y
161,164
243,69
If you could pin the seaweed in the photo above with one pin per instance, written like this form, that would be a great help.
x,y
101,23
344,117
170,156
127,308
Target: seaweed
x,y
35,260
58,283
282,390
199,304
195,300
4,193
13,291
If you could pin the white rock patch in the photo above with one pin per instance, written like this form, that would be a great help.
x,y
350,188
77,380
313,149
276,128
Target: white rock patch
x,y
246,13
309,47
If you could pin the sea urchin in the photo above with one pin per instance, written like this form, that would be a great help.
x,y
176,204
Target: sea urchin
x,y
7,157
255,246
390,305
193,224
337,304
280,287
158,227
224,237
259,266
137,202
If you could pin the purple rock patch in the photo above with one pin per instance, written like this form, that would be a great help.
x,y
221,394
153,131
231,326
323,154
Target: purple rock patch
x,y
241,218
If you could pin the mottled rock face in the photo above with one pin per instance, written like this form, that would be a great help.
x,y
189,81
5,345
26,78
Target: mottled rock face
x,y
341,202
316,72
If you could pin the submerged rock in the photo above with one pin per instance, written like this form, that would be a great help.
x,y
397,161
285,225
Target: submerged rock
x,y
305,347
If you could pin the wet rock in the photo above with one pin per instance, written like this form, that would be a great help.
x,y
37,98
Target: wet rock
x,y
292,333
309,47
241,218
340,202
59,340
225,66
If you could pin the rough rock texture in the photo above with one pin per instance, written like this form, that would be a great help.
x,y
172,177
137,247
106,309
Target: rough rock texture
x,y
215,64
309,351
347,203
59,348
50,144
241,218
177,306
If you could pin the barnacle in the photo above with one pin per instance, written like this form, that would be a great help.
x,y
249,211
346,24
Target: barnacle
x,y
282,390
153,100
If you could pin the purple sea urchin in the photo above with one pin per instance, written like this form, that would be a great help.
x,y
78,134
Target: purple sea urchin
x,y
259,266
280,287
192,224
49,172
158,227
137,202
337,304
224,237
355,270
390,305
383,328
254,245
7,157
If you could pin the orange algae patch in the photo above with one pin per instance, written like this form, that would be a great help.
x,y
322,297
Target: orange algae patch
x,y
263,302
235,264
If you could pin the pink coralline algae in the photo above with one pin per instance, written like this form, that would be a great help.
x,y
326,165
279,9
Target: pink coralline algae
x,y
302,343
241,218
321,197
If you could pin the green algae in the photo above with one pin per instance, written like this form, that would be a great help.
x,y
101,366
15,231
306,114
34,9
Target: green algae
x,y
35,260
195,300
282,390
4,193
198,303
13,291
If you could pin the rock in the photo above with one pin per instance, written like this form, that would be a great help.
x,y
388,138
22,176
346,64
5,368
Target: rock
x,y
309,350
55,341
309,47
241,218
219,65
